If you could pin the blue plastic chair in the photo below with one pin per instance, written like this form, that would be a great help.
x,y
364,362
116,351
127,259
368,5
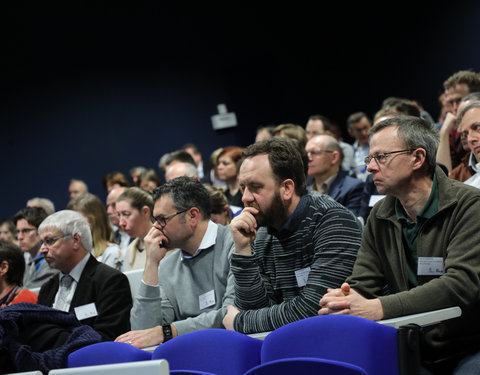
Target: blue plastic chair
x,y
306,366
218,351
105,353
358,341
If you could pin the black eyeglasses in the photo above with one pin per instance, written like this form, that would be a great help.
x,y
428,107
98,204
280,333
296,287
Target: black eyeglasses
x,y
382,158
162,220
24,231
48,242
475,129
317,151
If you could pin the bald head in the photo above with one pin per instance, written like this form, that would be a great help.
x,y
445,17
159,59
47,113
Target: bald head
x,y
111,199
181,169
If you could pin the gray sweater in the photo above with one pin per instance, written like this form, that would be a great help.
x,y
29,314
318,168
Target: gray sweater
x,y
182,282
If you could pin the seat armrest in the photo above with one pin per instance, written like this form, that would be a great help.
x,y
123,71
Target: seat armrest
x,y
424,319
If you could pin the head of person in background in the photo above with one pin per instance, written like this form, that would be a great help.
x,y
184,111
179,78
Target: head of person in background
x,y
176,157
469,119
214,179
104,248
227,171
135,173
466,100
292,131
111,204
220,208
401,106
114,179
12,269
459,85
45,203
77,187
181,169
134,207
358,125
194,153
264,132
149,180
7,231
27,221
316,125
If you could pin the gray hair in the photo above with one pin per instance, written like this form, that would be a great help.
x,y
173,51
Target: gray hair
x,y
466,109
69,222
189,170
415,132
45,203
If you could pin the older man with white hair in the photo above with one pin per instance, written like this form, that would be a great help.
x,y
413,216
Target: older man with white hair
x,y
97,294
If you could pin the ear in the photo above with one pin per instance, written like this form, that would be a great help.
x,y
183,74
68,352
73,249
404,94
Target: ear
x,y
225,210
4,268
419,155
350,132
335,157
77,241
287,189
193,216
146,211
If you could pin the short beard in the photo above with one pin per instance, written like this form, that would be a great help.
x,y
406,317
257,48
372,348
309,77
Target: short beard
x,y
274,216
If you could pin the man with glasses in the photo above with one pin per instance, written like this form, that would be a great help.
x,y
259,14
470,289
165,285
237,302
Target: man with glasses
x,y
290,245
469,128
324,165
37,271
420,248
97,294
188,289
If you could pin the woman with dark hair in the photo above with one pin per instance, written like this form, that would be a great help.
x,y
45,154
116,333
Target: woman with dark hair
x,y
228,172
12,268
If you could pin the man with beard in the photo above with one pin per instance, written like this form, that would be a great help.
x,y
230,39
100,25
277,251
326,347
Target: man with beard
x,y
290,245
189,289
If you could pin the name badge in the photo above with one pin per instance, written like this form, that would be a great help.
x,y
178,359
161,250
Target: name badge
x,y
86,311
302,276
374,199
206,299
430,266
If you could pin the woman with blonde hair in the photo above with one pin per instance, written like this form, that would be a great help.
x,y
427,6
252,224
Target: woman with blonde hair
x,y
228,172
135,208
220,208
105,250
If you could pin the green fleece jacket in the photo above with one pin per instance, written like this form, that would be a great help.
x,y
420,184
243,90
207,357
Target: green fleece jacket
x,y
453,233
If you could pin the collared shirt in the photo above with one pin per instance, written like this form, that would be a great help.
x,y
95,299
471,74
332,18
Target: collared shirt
x,y
361,152
325,187
38,260
208,240
75,273
410,229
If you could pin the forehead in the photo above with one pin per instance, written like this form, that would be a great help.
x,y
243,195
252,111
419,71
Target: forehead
x,y
385,140
316,142
470,118
256,168
163,205
123,205
315,125
22,223
361,124
49,232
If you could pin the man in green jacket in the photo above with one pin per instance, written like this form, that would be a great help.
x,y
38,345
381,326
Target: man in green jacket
x,y
421,246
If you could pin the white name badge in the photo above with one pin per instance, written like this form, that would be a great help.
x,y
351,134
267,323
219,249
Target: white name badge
x,y
374,199
206,299
86,311
430,266
302,276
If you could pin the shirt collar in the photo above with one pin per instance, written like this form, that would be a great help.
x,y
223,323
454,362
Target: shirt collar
x,y
208,240
78,269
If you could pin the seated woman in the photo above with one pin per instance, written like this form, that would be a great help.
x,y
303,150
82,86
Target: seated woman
x,y
7,231
105,250
134,208
12,268
221,213
227,171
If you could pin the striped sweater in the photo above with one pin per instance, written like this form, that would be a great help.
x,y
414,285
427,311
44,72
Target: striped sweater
x,y
319,240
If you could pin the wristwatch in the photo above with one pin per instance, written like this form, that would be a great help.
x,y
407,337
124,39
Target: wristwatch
x,y
167,332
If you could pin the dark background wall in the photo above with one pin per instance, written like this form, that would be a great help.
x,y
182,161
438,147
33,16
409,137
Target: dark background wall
x,y
90,89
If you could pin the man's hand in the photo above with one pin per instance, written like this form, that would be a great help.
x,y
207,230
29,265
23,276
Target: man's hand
x,y
155,242
348,301
229,318
244,230
449,124
143,338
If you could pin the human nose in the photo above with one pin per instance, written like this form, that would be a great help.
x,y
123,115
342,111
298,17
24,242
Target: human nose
x,y
247,197
372,165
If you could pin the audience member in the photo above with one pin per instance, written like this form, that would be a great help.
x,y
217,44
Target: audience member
x,y
97,294
7,231
104,249
264,132
221,213
190,289
45,203
228,172
203,171
292,131
324,165
134,208
12,268
358,125
214,180
470,129
317,125
135,173
27,221
290,245
181,169
149,180
122,238
420,248
113,180
77,187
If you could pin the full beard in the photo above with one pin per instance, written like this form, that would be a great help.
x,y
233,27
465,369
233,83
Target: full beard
x,y
274,215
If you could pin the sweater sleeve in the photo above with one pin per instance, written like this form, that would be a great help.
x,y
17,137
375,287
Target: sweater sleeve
x,y
335,237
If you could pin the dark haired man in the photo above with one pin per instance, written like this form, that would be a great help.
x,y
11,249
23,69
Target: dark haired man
x,y
420,248
290,245
37,271
358,125
189,289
